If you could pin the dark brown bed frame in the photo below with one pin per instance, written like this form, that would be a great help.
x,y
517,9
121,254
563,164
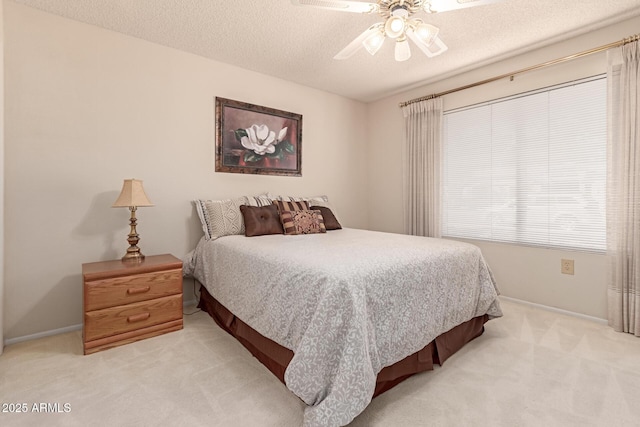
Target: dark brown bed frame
x,y
276,358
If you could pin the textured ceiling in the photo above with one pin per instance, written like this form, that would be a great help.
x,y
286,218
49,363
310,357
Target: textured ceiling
x,y
297,43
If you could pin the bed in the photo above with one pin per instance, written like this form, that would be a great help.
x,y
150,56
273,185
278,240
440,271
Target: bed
x,y
342,316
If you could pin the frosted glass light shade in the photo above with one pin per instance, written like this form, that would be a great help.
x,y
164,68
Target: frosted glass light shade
x,y
438,46
426,33
435,48
373,42
403,51
394,27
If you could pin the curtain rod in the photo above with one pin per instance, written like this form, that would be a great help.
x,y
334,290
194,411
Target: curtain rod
x,y
624,41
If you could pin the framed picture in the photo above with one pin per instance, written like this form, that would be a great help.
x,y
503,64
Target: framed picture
x,y
257,140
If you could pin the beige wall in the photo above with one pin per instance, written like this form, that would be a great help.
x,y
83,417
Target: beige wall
x,y
87,108
530,274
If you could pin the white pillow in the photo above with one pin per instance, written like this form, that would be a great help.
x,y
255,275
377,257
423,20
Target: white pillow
x,y
260,200
221,217
300,199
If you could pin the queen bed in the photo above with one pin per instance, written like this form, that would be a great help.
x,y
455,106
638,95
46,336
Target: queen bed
x,y
342,316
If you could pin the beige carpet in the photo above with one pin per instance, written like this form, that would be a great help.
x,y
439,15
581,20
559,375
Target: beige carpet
x,y
530,368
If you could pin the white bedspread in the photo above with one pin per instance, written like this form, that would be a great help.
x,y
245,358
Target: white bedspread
x,y
347,303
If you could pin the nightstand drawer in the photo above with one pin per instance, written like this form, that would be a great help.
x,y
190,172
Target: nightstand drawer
x,y
116,291
117,320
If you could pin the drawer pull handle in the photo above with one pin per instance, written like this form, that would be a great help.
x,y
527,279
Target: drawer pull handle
x,y
134,291
138,317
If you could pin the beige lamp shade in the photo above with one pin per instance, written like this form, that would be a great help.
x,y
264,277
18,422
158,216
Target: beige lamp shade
x,y
132,194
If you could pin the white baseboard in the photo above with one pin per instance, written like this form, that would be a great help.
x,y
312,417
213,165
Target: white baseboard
x,y
556,310
64,330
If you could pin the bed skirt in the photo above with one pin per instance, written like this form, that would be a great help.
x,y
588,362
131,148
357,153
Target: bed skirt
x,y
276,358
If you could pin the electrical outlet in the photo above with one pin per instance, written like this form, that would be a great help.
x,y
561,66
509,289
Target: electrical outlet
x,y
566,266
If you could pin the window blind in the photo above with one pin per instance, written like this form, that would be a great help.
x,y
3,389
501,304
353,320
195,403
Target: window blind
x,y
529,169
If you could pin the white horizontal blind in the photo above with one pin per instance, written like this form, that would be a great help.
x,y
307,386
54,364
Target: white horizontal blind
x,y
529,169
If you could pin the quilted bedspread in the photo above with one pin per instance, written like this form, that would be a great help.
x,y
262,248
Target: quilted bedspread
x,y
347,303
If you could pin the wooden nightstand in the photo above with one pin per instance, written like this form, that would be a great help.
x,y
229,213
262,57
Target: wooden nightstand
x,y
130,301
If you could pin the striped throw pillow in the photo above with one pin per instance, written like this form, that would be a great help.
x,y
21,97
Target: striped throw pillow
x,y
259,201
284,206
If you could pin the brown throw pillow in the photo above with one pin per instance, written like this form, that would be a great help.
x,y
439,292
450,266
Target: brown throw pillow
x,y
262,220
330,220
302,222
284,206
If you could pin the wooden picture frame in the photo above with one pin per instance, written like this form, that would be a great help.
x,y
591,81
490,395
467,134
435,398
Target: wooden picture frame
x,y
257,140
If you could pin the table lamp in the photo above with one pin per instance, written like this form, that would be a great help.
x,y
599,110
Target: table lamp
x,y
132,196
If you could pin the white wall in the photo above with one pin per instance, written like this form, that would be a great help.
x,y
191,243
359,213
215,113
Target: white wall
x,y
530,274
1,177
87,108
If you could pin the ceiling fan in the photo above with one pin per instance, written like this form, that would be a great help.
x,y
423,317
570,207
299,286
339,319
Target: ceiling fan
x,y
398,24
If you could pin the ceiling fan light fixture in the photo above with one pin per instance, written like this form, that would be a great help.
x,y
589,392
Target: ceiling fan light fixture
x,y
434,49
426,33
403,51
438,46
394,27
373,42
398,23
434,6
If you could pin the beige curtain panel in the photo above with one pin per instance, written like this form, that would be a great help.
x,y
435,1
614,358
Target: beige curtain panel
x,y
623,188
422,157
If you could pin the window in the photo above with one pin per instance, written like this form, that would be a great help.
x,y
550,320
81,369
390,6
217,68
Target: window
x,y
530,168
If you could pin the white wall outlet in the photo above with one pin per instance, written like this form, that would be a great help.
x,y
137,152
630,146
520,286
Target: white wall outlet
x,y
566,266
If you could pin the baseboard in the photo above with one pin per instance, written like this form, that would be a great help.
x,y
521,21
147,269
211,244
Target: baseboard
x,y
42,334
190,303
193,302
556,310
64,330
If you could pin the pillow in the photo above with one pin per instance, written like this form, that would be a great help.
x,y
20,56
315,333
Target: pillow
x,y
289,198
260,200
221,217
291,205
330,221
326,204
299,199
261,220
318,199
302,222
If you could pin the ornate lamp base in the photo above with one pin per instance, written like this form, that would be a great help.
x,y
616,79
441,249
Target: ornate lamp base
x,y
133,252
133,255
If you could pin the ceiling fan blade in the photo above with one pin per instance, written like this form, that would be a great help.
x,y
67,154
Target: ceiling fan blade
x,y
340,5
434,49
436,6
356,44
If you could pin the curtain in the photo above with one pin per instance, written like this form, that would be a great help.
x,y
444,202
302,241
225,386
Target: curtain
x,y
1,176
623,189
422,156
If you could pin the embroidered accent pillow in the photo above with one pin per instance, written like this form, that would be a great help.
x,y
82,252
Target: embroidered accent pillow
x,y
302,222
221,217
